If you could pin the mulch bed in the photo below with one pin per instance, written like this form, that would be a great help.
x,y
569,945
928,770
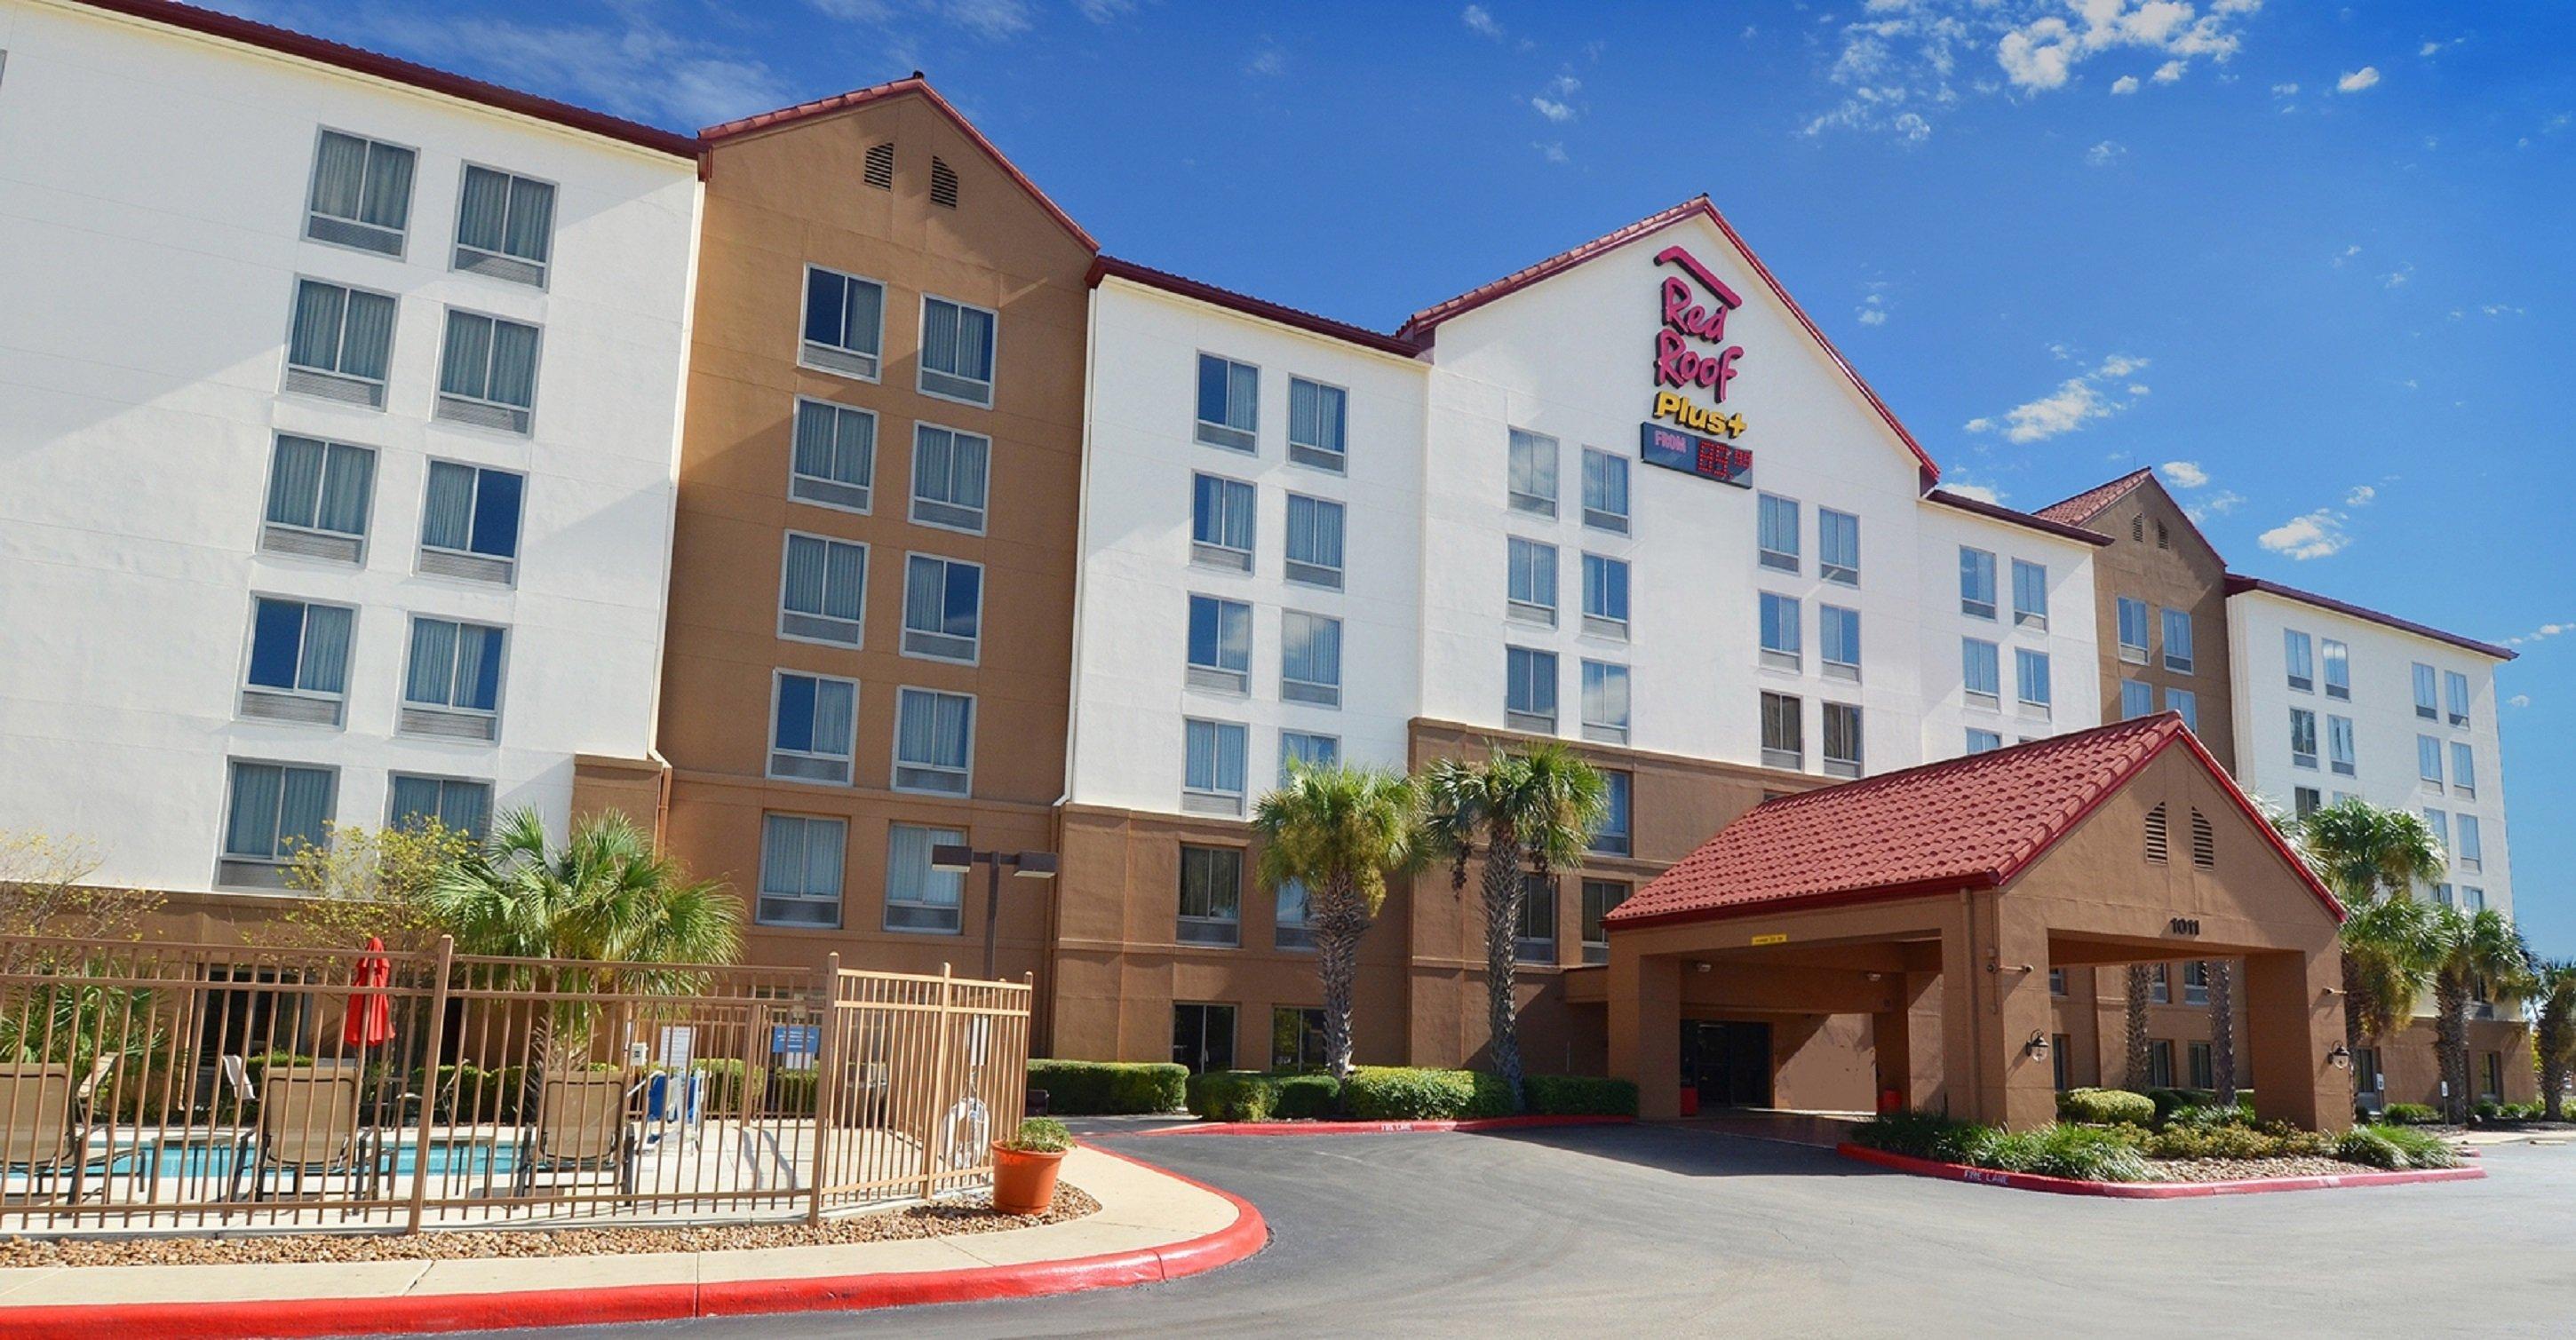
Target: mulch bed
x,y
966,1214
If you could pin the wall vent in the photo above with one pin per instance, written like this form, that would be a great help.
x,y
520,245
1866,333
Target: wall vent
x,y
943,184
2164,538
2138,527
879,168
2204,842
2157,849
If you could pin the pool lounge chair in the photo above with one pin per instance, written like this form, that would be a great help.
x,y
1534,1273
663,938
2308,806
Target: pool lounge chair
x,y
45,1120
308,1129
582,1128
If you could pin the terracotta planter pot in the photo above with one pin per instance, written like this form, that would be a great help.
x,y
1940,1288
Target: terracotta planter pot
x,y
1023,1182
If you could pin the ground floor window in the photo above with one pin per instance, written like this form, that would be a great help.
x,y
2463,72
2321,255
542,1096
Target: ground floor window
x,y
2061,1060
1599,896
1535,941
1203,1037
2494,1091
2160,1070
2160,984
1296,1038
2366,1077
2204,1070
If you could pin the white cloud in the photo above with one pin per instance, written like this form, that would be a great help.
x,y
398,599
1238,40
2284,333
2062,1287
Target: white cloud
x,y
2518,700
1553,111
2358,80
2105,154
2397,278
2541,634
2319,534
1873,316
2284,90
1979,492
2077,401
2170,72
2214,504
1553,150
2360,496
1104,11
2347,254
2184,474
1268,61
633,68
1481,22
2125,84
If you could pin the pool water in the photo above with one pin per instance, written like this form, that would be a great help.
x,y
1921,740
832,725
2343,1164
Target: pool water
x,y
471,1160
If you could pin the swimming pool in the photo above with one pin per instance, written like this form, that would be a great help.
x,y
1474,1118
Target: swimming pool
x,y
199,1160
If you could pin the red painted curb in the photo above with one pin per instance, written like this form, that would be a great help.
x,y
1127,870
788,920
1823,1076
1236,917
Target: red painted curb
x,y
1468,1125
2068,1186
279,1319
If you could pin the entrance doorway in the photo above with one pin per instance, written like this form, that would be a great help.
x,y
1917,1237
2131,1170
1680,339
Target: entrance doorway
x,y
1728,1062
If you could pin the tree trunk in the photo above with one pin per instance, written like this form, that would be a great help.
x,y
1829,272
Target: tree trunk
x,y
2353,1033
2553,1083
1504,889
1339,919
2140,984
2451,1044
2222,1029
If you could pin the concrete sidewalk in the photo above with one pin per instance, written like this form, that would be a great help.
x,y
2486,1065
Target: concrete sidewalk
x,y
1151,1225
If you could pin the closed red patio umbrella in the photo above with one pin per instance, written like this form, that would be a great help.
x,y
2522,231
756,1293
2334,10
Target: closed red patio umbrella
x,y
370,1021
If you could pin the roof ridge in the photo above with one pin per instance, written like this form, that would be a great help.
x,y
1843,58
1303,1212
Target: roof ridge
x,y
1965,762
2088,503
1549,264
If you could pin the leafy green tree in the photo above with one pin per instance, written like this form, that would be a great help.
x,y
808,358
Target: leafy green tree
x,y
2550,993
1338,831
2369,856
373,882
2470,952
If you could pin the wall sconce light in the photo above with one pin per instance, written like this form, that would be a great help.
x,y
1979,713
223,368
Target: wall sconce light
x,y
2340,1057
2037,1047
1703,965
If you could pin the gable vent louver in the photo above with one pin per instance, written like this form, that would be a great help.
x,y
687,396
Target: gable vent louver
x,y
2204,842
878,170
943,184
2157,847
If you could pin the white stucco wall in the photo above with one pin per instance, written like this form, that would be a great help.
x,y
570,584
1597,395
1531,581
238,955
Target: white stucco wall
x,y
2070,640
152,198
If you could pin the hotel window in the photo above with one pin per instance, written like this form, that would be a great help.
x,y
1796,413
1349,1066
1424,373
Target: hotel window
x,y
274,810
1981,671
299,662
2178,641
1778,539
2338,659
844,323
1842,740
1976,583
341,343
1612,837
1605,596
821,590
1838,641
505,226
1605,491
813,728
1291,913
2136,699
2464,769
943,608
1203,1037
2133,630
1605,702
455,804
2439,824
1531,596
2061,1062
469,523
2203,1072
2367,1077
452,688
2299,655
1212,766
1600,898
319,494
1532,482
2195,983
2030,678
2470,856
2160,990
918,898
1314,542
2057,981
949,473
2339,746
1780,650
1310,659
956,351
2424,704
2303,738
800,871
1534,937
2455,694
934,742
487,372
2491,1069
1983,741
1229,403
2030,594
2474,901
1296,1039
1529,689
361,195
2428,760
2186,704
1308,748
2305,800
1221,512
834,463
1211,911
1838,546
1220,645
1318,421
1784,740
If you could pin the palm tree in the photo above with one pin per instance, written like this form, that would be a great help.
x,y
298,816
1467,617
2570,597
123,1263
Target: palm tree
x,y
1338,831
1533,812
2550,991
2467,950
2369,856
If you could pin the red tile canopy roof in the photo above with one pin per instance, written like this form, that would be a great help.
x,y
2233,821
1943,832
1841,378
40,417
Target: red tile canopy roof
x,y
1969,823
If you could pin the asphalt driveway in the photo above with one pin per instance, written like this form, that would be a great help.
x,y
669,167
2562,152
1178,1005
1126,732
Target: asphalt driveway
x,y
1629,1230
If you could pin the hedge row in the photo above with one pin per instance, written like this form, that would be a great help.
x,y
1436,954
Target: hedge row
x,y
1400,1093
1109,1088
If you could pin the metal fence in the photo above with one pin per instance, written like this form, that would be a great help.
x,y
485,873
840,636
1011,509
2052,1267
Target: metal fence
x,y
161,1086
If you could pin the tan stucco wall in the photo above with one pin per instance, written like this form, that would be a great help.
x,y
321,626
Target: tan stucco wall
x,y
2182,572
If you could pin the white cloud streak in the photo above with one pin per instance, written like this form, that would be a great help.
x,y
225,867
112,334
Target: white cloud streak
x,y
2319,534
2077,401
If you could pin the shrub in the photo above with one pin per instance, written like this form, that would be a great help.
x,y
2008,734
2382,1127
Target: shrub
x,y
2106,1107
1232,1095
1579,1096
1110,1088
1306,1097
2211,1114
2232,1140
1927,1135
731,1082
791,1092
2069,1151
1402,1093
2395,1148
2488,1110
2411,1114
1040,1135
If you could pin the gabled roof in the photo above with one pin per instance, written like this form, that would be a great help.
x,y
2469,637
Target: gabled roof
x,y
2239,584
1111,266
912,85
1999,512
1969,823
394,69
2087,505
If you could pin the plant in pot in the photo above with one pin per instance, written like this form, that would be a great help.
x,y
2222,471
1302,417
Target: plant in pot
x,y
1024,1166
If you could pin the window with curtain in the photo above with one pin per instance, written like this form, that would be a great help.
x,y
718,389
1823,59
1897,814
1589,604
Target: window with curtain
x,y
2133,630
454,804
2338,659
1221,516
1983,741
1220,648
1318,418
1531,481
2303,738
2030,671
2464,768
844,323
2471,854
934,742
2339,746
2455,695
943,608
1776,542
1838,641
320,486
1600,898
1976,583
800,870
505,225
816,718
1981,671
1289,909
822,592
1842,740
2030,594
299,647
1308,748
2137,699
2298,658
1315,541
1605,596
277,809
949,470
1780,647
1530,592
1605,702
487,371
2428,759
1212,766
453,665
2178,651
341,342
834,462
1310,659
1784,732
2186,704
1605,491
1529,689
1612,838
1211,896
1534,937
1229,403
2424,706
361,193
472,510
919,898
1838,546
956,351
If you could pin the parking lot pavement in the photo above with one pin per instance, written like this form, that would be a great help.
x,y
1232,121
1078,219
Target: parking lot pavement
x,y
1623,1230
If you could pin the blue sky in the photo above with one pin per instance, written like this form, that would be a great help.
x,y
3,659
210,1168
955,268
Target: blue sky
x,y
2314,255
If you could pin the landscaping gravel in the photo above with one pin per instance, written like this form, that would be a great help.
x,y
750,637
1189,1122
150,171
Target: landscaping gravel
x,y
2238,1170
966,1214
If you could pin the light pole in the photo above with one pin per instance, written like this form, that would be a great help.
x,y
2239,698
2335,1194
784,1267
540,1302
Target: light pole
x,y
952,858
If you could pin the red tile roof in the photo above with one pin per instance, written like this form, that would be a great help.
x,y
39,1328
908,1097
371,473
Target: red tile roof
x,y
2087,505
1972,822
2000,512
288,42
913,85
2238,584
1299,318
